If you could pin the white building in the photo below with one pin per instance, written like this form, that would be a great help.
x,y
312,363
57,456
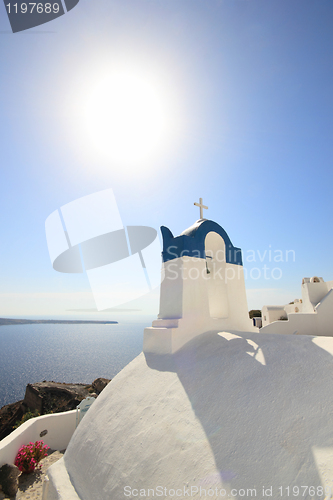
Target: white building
x,y
311,315
203,288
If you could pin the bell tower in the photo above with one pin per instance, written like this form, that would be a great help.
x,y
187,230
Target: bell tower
x,y
202,289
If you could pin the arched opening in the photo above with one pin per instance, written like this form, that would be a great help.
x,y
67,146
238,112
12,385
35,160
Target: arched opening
x,y
215,278
315,279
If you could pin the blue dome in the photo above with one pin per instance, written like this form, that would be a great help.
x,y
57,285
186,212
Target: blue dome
x,y
192,242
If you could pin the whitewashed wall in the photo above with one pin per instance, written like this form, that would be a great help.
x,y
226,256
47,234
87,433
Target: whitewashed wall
x,y
314,315
187,304
319,322
60,428
271,313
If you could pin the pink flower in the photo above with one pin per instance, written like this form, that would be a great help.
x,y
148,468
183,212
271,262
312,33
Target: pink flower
x,y
28,456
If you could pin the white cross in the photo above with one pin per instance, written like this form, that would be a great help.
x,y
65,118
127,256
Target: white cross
x,y
201,207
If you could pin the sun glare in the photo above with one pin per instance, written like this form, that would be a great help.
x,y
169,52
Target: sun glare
x,y
126,117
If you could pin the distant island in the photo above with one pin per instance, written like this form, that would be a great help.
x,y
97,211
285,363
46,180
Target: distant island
x,y
8,321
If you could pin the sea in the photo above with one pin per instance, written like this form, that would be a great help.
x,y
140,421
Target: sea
x,y
72,353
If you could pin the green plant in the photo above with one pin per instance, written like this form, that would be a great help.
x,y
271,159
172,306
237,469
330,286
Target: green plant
x,y
255,313
29,456
27,416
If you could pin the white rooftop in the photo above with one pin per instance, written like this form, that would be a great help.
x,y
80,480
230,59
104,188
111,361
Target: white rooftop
x,y
232,411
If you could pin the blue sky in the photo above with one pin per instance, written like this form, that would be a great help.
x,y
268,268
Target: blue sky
x,y
248,87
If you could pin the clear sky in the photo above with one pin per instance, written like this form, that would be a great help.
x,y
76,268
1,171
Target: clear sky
x,y
244,100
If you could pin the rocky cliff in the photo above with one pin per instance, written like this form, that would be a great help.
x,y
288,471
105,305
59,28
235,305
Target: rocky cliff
x,y
47,397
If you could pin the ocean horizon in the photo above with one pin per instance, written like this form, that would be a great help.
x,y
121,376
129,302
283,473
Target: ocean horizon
x,y
72,353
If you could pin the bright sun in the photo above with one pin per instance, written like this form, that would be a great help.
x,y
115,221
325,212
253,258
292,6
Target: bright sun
x,y
126,117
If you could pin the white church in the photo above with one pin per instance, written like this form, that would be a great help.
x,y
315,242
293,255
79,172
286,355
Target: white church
x,y
203,287
212,408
